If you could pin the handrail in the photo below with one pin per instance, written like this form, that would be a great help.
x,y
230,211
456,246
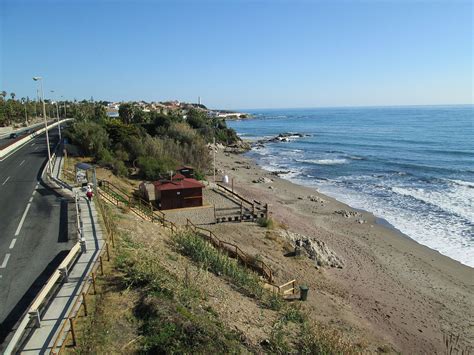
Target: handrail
x,y
248,261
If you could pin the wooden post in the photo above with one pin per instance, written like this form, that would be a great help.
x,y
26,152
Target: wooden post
x,y
266,211
73,334
112,238
93,283
232,185
241,211
85,304
236,253
293,285
107,250
101,265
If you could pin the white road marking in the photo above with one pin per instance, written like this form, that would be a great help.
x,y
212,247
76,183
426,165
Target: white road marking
x,y
22,162
33,144
8,178
12,244
22,219
35,148
5,261
34,192
31,199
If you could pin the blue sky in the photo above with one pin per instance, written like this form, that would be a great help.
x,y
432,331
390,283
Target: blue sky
x,y
242,54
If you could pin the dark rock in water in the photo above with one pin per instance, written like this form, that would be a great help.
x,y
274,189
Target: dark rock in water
x,y
282,137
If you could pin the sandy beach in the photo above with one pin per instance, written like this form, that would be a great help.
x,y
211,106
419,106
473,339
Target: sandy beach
x,y
391,290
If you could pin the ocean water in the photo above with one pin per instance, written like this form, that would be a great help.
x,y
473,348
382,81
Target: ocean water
x,y
413,166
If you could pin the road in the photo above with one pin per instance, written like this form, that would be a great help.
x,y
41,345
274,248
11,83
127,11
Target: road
x,y
34,229
5,137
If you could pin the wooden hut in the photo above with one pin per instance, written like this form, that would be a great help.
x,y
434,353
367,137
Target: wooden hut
x,y
179,192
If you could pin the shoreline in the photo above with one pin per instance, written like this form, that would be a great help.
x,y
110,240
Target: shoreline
x,y
395,288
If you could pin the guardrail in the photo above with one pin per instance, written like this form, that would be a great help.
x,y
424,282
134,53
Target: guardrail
x,y
21,141
32,318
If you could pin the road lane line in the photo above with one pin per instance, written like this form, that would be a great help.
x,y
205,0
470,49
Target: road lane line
x,y
31,199
12,244
8,178
5,261
22,219
22,162
33,144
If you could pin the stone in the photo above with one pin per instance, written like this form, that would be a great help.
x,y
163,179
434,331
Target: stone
x,y
315,249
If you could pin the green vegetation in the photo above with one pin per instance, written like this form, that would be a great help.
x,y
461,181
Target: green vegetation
x,y
14,111
293,333
217,262
169,316
149,144
266,223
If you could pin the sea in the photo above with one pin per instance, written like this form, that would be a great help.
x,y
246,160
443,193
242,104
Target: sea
x,y
412,166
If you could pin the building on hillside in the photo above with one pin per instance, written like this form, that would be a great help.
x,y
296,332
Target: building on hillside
x,y
179,192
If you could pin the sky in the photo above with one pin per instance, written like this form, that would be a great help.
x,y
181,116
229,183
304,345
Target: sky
x,y
241,54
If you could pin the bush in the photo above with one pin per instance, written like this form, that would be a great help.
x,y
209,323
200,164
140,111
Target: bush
x,y
266,223
153,168
205,255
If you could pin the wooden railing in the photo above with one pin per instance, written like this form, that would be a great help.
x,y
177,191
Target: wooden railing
x,y
136,204
234,251
248,210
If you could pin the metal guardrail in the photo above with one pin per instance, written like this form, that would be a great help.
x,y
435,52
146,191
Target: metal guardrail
x,y
32,318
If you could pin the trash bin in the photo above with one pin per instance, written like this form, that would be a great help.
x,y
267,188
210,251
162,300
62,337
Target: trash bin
x,y
304,292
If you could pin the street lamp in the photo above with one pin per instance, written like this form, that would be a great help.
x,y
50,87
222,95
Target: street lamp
x,y
64,102
40,79
57,114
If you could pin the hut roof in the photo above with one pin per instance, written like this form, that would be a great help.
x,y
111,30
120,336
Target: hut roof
x,y
185,183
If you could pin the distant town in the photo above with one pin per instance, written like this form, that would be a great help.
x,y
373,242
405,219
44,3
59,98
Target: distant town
x,y
174,107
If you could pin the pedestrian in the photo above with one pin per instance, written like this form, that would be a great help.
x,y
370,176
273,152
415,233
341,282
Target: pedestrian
x,y
89,193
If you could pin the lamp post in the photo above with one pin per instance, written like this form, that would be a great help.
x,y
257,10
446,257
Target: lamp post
x,y
26,113
57,115
40,79
64,102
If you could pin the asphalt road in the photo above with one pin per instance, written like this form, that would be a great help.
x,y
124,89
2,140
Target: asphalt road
x,y
34,222
5,137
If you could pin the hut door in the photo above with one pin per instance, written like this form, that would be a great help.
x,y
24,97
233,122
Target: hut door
x,y
179,200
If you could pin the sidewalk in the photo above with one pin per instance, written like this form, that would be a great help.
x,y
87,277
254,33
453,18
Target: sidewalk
x,y
62,303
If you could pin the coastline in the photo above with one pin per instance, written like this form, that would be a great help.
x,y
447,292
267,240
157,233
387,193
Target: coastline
x,y
391,288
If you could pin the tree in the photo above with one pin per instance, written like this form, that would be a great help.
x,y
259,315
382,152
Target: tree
x,y
126,112
12,95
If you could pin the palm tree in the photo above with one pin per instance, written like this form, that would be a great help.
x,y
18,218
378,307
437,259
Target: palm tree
x,y
3,94
12,95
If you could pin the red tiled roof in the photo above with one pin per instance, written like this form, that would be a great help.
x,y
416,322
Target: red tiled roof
x,y
186,183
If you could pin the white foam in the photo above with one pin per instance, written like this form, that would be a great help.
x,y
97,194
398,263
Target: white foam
x,y
459,199
323,161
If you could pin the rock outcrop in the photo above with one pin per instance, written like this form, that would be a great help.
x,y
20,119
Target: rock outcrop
x,y
315,249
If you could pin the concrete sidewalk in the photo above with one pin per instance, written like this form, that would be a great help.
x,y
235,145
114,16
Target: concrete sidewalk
x,y
41,339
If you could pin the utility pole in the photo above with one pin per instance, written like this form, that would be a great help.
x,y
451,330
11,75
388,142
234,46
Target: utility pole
x,y
38,78
214,156
26,114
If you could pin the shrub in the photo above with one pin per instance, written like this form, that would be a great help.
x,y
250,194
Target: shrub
x,y
205,255
266,222
153,168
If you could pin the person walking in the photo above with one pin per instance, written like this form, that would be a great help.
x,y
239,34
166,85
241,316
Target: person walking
x,y
89,193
